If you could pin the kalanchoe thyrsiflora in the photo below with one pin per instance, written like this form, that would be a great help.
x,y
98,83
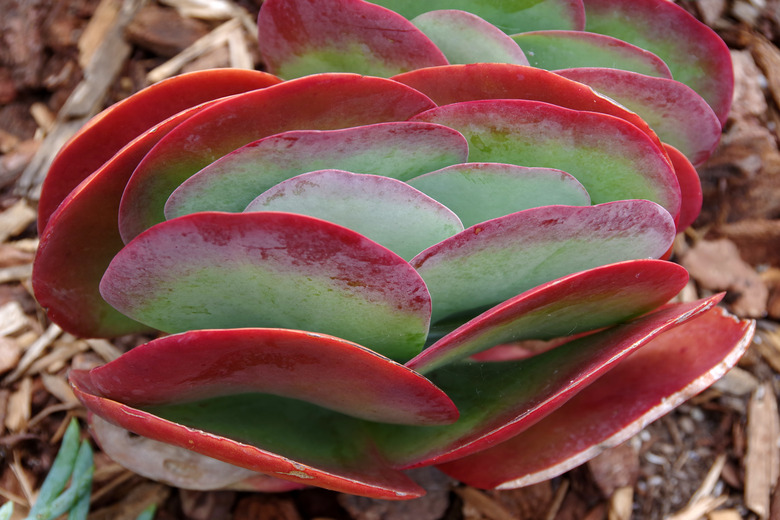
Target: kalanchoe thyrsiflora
x,y
348,261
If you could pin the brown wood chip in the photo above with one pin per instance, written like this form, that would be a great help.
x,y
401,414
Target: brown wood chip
x,y
762,460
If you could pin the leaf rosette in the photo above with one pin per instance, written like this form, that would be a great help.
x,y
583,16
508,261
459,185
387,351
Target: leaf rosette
x,y
346,268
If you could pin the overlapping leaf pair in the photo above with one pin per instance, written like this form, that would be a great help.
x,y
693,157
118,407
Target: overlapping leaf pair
x,y
349,266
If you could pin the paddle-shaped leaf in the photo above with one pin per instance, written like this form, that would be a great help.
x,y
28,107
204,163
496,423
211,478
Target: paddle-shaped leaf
x,y
83,237
497,400
320,102
478,81
303,444
316,368
268,269
387,211
612,159
301,37
694,53
400,150
477,192
675,111
553,50
466,38
580,302
509,15
683,361
498,259
119,124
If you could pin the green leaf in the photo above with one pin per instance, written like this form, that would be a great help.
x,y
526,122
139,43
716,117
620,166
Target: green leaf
x,y
553,50
319,102
511,16
612,158
477,192
388,211
466,38
670,369
400,150
491,262
694,53
148,513
581,302
300,37
499,399
675,111
61,470
270,269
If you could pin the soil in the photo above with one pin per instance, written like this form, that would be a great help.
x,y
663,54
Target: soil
x,y
697,462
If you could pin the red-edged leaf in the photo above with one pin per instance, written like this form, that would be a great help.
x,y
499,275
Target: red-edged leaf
x,y
491,262
466,38
270,269
301,37
401,150
581,302
610,157
350,465
320,369
456,83
673,110
319,102
695,53
81,239
119,124
674,366
497,400
388,211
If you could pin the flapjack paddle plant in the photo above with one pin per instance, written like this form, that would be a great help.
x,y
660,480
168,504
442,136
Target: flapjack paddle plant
x,y
349,264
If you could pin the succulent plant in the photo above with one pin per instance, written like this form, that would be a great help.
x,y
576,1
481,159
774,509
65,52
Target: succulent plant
x,y
415,250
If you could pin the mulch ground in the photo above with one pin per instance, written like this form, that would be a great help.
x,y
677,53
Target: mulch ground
x,y
715,457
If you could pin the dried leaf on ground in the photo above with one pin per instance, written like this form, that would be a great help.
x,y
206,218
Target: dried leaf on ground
x,y
716,265
615,468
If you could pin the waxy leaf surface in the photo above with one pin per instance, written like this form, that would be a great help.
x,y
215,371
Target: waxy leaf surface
x,y
302,37
119,124
320,102
400,150
496,260
676,112
466,38
612,159
388,211
580,302
477,192
694,53
316,368
511,16
554,50
83,237
673,367
476,81
268,269
497,400
304,443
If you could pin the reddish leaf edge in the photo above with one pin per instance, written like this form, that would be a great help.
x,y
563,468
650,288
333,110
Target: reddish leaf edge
x,y
396,486
461,469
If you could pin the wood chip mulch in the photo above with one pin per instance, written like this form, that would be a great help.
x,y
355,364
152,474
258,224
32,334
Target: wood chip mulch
x,y
714,458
